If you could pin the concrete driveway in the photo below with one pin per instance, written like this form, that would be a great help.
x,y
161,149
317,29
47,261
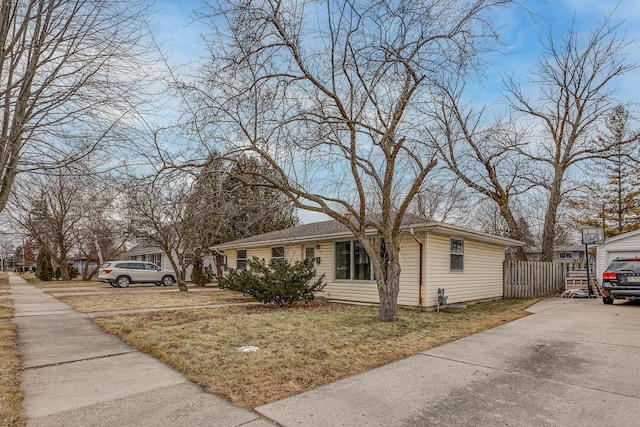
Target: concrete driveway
x,y
571,363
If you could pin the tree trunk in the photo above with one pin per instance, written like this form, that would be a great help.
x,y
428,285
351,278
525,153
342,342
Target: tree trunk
x,y
551,216
388,289
514,229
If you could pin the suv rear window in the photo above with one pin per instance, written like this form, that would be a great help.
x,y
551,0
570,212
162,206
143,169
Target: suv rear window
x,y
627,265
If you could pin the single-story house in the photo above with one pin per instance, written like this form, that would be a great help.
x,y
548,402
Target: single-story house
x,y
155,255
468,264
80,262
626,245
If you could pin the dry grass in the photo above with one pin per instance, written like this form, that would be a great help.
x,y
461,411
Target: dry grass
x,y
6,307
301,348
108,289
10,393
63,284
130,301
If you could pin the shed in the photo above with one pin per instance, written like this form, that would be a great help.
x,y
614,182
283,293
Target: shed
x,y
626,245
468,264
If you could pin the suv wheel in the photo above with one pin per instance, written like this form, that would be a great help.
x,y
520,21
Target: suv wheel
x,y
607,300
123,282
167,281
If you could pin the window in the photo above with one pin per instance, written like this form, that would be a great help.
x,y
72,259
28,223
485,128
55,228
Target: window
x,y
566,255
343,260
241,259
310,252
361,263
457,255
352,261
277,252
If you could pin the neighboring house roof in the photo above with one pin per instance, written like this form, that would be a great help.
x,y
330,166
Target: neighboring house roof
x,y
328,230
622,236
142,249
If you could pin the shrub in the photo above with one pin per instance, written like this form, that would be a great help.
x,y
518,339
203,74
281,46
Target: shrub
x,y
278,282
73,273
199,275
44,268
57,274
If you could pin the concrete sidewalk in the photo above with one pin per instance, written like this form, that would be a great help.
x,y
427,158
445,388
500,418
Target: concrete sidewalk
x,y
77,375
572,363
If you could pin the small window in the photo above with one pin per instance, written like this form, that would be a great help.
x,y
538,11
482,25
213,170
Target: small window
x,y
277,252
241,259
566,255
457,255
310,253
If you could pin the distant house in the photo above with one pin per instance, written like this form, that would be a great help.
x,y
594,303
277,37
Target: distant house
x,y
155,255
79,263
626,245
565,253
467,264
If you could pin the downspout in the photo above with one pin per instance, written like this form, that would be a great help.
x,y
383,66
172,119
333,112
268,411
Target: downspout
x,y
420,268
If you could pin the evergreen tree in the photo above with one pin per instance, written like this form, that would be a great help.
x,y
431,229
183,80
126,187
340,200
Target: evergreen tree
x,y
44,269
199,276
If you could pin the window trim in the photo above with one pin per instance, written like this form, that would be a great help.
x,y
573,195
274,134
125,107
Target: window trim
x,y
452,253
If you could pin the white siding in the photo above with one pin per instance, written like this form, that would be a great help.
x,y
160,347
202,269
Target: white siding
x,y
625,247
481,279
482,276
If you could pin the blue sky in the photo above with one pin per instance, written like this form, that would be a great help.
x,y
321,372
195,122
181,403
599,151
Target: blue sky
x,y
174,28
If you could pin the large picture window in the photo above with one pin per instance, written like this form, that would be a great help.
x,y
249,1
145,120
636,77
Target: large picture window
x,y
351,261
241,259
457,254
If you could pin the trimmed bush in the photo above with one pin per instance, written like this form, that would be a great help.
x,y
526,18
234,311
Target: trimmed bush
x,y
73,273
276,282
44,268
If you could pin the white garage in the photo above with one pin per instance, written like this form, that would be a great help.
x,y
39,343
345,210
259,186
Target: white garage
x,y
625,245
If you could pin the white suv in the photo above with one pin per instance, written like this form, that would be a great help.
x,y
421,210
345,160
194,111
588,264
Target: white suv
x,y
122,273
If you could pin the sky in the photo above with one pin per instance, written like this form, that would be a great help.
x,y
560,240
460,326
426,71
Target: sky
x,y
174,27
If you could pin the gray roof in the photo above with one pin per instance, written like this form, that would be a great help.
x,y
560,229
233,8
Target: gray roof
x,y
143,249
325,230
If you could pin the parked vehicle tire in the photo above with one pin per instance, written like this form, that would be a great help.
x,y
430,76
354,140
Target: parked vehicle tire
x,y
123,282
607,300
113,284
168,281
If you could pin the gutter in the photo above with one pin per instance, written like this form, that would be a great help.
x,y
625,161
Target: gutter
x,y
420,269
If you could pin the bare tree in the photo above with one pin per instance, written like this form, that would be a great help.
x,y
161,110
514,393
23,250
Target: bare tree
x,y
158,215
574,82
68,74
480,154
50,209
332,104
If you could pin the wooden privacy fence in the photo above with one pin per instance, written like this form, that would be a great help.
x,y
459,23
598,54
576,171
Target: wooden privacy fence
x,y
532,279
